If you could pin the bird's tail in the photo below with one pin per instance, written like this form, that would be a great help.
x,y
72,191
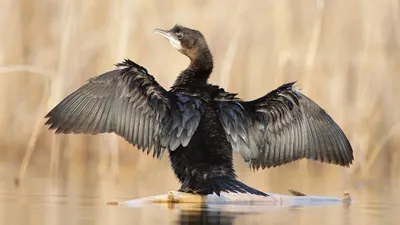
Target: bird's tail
x,y
219,184
229,184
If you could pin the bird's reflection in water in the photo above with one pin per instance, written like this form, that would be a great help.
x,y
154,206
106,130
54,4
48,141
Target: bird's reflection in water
x,y
205,216
220,214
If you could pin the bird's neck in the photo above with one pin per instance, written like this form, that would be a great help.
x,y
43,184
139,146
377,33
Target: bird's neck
x,y
198,71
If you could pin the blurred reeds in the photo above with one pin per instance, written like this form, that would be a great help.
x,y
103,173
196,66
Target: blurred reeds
x,y
344,54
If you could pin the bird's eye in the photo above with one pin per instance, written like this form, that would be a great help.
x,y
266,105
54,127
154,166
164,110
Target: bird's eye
x,y
179,35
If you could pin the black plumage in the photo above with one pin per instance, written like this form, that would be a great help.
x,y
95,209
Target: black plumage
x,y
199,124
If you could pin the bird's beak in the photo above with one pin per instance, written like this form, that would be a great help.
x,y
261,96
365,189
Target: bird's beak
x,y
170,37
164,33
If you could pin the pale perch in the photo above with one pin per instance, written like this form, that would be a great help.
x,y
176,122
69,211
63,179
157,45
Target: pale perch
x,y
177,197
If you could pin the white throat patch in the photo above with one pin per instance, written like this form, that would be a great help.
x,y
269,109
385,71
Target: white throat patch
x,y
176,43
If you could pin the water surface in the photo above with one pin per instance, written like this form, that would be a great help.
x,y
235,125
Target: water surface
x,y
45,199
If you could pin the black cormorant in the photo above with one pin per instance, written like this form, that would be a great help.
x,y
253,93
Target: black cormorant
x,y
200,124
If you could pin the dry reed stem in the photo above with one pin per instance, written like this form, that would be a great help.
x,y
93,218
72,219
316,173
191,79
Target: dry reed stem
x,y
365,169
58,81
39,122
25,69
313,46
231,52
32,140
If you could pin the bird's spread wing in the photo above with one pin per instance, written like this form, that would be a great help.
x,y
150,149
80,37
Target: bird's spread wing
x,y
129,102
281,127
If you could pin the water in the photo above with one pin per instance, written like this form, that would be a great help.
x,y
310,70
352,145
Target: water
x,y
81,199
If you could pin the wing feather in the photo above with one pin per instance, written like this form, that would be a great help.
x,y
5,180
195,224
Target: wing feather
x,y
129,102
281,127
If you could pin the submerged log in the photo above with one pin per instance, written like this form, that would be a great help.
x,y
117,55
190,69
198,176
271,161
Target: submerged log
x,y
176,197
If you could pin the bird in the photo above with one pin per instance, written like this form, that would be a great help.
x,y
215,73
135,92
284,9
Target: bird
x,y
200,125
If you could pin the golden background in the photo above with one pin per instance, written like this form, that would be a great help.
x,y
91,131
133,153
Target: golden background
x,y
345,55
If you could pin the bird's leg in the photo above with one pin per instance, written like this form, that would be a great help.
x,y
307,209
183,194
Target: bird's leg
x,y
188,190
193,186
185,187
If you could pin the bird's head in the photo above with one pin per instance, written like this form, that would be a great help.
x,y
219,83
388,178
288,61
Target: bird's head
x,y
187,41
